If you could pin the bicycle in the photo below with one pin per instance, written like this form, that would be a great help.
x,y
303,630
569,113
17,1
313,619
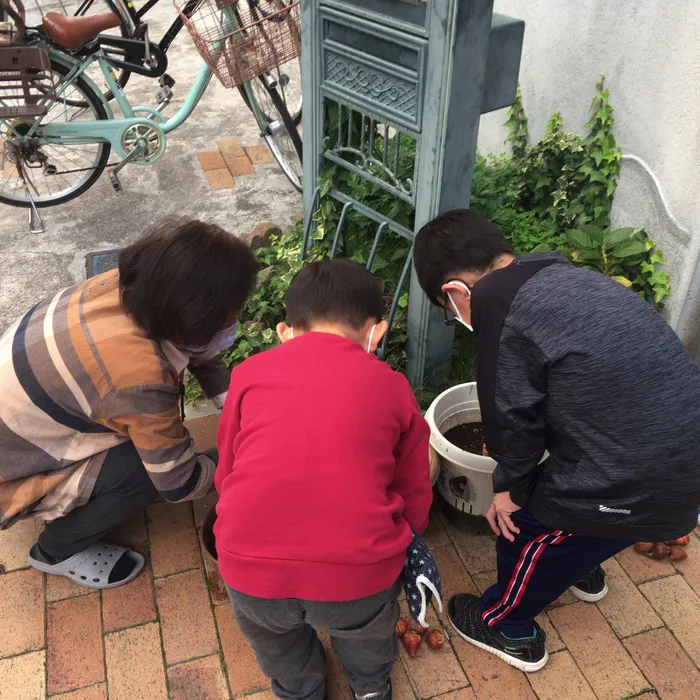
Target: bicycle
x,y
58,156
150,58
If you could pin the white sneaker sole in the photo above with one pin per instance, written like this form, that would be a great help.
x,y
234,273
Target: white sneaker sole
x,y
589,597
526,666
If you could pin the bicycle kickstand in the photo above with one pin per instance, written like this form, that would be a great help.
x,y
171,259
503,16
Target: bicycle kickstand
x,y
36,223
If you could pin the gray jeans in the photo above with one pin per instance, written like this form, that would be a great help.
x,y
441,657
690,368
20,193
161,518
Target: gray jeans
x,y
283,635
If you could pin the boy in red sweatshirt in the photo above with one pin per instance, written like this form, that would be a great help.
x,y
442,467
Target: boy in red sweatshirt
x,y
323,473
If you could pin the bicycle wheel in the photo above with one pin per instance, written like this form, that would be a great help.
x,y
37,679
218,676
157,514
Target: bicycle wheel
x,y
55,173
279,130
288,75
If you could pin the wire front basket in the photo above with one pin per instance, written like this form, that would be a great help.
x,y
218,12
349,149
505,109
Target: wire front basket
x,y
242,39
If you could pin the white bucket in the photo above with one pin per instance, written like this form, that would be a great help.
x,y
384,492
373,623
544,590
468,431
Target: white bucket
x,y
465,478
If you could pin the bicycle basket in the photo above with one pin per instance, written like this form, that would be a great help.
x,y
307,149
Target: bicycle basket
x,y
25,71
242,39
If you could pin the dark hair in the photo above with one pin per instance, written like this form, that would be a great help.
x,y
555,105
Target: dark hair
x,y
339,291
455,242
185,280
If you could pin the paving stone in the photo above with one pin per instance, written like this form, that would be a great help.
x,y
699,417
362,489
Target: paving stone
x,y
561,679
185,617
201,679
642,567
566,598
400,684
665,664
239,166
220,179
203,431
244,674
679,608
606,665
22,603
259,155
477,551
60,588
461,694
23,677
435,535
173,538
231,148
135,664
211,160
129,605
75,657
202,506
491,678
217,587
433,672
94,692
625,608
690,568
15,543
131,533
554,641
453,575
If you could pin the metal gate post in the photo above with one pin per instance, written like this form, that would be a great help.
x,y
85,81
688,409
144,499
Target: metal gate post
x,y
457,53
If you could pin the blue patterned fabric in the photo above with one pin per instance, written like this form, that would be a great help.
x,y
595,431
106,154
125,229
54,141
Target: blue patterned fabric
x,y
421,580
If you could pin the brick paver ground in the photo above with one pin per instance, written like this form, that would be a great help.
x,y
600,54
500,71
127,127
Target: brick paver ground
x,y
170,633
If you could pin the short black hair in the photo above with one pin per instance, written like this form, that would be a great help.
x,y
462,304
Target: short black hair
x,y
454,242
185,280
338,291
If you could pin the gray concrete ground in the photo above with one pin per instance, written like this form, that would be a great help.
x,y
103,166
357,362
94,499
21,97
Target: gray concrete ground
x,y
32,266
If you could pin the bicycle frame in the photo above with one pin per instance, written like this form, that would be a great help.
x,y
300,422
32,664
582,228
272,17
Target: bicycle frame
x,y
112,130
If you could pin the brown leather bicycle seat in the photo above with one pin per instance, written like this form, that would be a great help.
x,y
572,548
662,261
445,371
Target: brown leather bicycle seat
x,y
74,32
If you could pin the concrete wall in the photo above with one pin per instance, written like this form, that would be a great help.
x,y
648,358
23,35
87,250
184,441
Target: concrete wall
x,y
650,53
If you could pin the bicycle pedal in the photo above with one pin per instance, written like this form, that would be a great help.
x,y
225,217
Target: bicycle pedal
x,y
164,94
166,80
114,180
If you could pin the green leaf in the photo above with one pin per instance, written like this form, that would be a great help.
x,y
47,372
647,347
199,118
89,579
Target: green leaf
x,y
622,280
542,248
579,239
628,249
619,235
595,233
656,257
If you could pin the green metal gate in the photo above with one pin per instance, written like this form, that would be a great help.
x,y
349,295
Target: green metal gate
x,y
385,78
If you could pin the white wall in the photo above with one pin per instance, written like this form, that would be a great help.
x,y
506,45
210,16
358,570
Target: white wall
x,y
650,52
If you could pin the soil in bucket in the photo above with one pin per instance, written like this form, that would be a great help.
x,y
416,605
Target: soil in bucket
x,y
467,436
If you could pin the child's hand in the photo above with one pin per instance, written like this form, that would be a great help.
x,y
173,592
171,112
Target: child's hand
x,y
499,514
484,451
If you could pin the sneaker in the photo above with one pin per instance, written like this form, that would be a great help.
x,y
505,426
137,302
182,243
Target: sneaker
x,y
592,588
529,655
384,694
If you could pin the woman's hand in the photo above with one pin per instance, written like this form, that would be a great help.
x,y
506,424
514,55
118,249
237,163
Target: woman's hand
x,y
499,514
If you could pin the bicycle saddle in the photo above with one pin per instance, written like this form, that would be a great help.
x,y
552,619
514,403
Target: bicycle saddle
x,y
74,32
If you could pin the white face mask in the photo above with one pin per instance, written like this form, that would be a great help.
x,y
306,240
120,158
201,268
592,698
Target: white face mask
x,y
371,335
221,341
457,314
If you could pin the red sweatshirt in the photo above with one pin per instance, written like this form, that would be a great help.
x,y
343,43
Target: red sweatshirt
x,y
323,471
